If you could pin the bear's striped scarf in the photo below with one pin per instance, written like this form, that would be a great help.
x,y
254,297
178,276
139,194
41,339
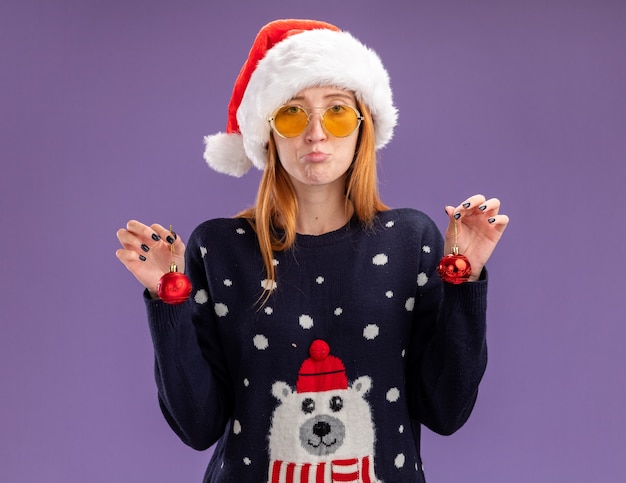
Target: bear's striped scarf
x,y
354,470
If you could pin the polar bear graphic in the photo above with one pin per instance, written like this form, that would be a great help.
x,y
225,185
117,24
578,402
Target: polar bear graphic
x,y
322,431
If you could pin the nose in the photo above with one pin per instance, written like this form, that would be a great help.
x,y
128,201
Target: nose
x,y
315,130
321,429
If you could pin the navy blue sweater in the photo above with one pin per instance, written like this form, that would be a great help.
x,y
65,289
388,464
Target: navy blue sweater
x,y
359,344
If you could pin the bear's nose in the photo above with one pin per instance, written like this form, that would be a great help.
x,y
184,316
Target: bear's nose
x,y
321,429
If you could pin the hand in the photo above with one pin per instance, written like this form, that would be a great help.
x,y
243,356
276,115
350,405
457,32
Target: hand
x,y
147,252
479,228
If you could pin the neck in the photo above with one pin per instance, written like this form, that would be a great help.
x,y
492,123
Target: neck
x,y
321,212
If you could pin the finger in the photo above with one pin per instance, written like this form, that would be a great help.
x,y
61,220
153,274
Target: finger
x,y
174,244
490,207
468,206
471,202
143,232
132,242
129,258
169,236
499,222
144,237
128,239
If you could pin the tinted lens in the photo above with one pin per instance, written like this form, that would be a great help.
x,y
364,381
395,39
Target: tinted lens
x,y
290,121
340,121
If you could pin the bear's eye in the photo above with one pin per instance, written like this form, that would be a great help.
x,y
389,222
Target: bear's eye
x,y
336,404
308,405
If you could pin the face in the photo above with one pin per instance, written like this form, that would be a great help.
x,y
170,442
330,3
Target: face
x,y
315,157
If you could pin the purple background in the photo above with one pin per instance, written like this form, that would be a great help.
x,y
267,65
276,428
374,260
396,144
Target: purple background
x,y
103,106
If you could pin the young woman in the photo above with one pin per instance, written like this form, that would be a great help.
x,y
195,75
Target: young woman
x,y
318,337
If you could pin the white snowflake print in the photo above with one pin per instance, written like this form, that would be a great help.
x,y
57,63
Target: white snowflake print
x,y
401,429
240,231
203,251
247,461
201,297
389,224
393,394
221,309
380,259
389,294
409,305
236,427
338,311
228,282
426,249
275,262
260,342
422,279
269,310
320,280
246,382
399,461
306,322
370,332
268,284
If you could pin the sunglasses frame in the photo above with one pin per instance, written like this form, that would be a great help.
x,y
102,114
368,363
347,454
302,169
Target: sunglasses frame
x,y
309,112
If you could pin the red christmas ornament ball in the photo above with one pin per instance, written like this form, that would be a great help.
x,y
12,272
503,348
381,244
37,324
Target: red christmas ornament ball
x,y
454,269
174,288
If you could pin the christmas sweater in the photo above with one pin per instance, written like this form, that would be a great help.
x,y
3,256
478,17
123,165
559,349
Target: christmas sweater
x,y
330,379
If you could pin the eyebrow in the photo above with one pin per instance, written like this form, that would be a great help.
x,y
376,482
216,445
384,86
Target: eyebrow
x,y
327,96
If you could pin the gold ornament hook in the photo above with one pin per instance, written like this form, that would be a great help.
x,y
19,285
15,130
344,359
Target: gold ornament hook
x,y
455,247
173,267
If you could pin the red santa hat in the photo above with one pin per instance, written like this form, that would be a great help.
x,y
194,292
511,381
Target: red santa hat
x,y
286,57
321,371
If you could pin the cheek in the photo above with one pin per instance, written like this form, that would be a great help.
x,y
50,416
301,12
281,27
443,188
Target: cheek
x,y
285,150
348,150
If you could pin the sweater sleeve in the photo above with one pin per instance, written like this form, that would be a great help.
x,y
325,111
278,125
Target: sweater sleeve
x,y
189,370
448,354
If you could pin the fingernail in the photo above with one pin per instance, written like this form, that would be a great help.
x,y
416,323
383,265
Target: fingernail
x,y
482,207
491,220
457,216
466,205
169,239
174,235
155,237
145,248
142,258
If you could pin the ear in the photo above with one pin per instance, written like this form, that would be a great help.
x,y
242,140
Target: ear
x,y
362,385
281,390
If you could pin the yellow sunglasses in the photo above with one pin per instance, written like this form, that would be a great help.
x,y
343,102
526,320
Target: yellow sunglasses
x,y
340,120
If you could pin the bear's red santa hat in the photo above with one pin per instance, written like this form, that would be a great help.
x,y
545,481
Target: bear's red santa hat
x,y
321,371
288,56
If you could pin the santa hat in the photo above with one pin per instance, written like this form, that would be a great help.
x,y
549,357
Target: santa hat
x,y
321,371
286,57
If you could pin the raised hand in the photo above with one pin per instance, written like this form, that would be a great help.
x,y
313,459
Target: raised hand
x,y
479,227
147,254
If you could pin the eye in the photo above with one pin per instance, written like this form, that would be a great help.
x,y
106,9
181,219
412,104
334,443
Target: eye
x,y
336,404
292,110
337,108
308,406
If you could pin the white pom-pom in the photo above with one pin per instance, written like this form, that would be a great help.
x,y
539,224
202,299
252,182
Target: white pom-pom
x,y
225,154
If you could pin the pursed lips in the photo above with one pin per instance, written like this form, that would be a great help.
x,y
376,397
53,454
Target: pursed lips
x,y
315,157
